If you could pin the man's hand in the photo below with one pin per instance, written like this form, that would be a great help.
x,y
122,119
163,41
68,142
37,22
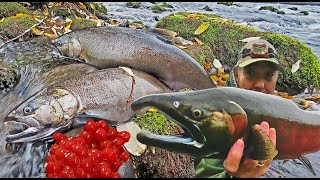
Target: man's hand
x,y
248,167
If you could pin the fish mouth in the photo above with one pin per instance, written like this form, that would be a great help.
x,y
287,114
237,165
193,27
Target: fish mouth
x,y
191,140
29,129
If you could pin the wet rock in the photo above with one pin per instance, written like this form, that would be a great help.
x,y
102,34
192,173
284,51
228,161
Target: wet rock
x,y
206,8
293,8
157,9
229,4
281,12
156,18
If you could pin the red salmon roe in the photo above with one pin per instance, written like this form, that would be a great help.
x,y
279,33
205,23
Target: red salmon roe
x,y
96,153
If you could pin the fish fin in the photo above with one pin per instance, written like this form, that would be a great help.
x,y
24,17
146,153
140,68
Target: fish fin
x,y
307,163
263,148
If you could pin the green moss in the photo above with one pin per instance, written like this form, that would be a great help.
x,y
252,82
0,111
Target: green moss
x,y
223,39
96,8
229,4
305,12
166,5
64,12
156,123
81,23
270,8
13,26
11,8
206,8
157,9
200,53
133,4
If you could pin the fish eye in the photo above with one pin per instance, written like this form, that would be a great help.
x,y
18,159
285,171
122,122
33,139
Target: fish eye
x,y
176,104
59,43
197,113
27,110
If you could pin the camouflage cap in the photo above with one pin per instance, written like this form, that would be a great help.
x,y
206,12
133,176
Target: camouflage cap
x,y
258,50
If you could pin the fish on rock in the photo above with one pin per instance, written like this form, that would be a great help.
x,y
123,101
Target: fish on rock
x,y
110,47
103,94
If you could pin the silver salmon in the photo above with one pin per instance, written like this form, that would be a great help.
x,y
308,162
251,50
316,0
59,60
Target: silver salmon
x,y
107,47
100,94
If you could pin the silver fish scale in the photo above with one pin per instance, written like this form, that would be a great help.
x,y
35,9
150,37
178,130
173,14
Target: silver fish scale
x,y
105,93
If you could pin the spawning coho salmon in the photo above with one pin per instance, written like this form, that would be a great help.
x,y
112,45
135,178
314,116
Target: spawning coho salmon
x,y
108,47
104,94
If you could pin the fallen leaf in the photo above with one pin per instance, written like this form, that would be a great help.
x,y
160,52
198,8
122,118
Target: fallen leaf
x,y
216,63
128,70
214,78
2,20
67,28
295,67
133,146
249,39
153,110
204,26
198,41
92,6
46,12
36,31
52,36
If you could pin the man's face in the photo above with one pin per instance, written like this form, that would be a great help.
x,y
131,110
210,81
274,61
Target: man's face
x,y
259,76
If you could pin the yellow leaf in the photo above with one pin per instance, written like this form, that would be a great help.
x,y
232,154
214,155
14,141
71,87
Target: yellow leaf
x,y
214,78
46,12
317,96
82,6
20,14
77,18
36,31
198,41
68,26
153,110
2,20
225,76
204,26
52,36
92,6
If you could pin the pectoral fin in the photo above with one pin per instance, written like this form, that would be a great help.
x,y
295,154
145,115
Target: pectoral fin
x,y
260,146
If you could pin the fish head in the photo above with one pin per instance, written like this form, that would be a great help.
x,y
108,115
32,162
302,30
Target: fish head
x,y
42,114
68,45
211,125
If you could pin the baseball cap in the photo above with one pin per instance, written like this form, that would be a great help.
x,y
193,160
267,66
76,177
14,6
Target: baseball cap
x,y
258,50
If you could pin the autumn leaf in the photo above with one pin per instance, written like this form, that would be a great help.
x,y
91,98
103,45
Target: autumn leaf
x,y
198,41
36,31
153,110
92,6
46,12
52,36
67,28
2,20
204,26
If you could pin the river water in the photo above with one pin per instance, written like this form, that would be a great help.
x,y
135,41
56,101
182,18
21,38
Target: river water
x,y
293,24
305,28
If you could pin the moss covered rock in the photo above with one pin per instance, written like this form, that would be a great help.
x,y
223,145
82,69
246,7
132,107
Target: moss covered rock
x,y
157,8
166,5
11,8
133,4
305,12
206,8
81,23
96,8
9,77
270,8
229,4
223,38
13,26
